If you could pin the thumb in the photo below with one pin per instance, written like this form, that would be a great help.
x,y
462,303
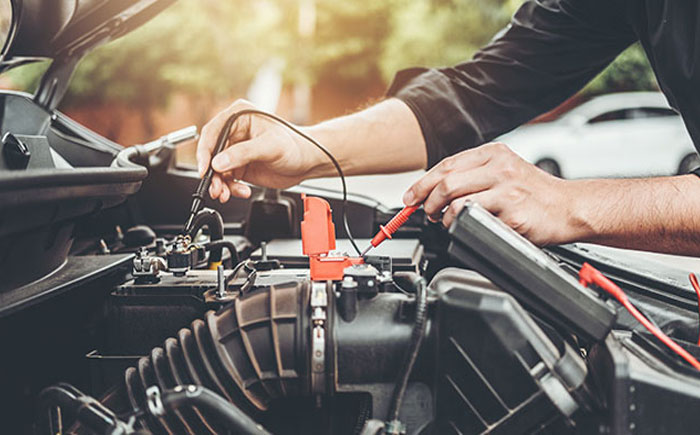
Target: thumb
x,y
244,153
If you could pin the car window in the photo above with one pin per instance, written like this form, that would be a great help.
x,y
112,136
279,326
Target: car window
x,y
650,112
614,115
633,113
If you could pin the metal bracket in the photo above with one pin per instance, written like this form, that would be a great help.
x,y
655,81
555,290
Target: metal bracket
x,y
319,305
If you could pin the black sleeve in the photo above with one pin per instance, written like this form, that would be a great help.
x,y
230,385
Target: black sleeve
x,y
550,50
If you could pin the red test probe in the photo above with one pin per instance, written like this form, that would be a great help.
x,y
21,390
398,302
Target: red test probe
x,y
394,224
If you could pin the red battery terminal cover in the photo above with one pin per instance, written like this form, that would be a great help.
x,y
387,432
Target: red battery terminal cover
x,y
318,240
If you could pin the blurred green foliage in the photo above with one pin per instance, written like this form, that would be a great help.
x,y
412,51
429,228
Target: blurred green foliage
x,y
441,32
630,72
210,48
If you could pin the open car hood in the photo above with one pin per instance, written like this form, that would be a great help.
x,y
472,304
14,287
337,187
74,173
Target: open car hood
x,y
67,28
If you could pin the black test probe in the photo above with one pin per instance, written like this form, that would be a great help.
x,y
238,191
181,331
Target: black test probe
x,y
198,195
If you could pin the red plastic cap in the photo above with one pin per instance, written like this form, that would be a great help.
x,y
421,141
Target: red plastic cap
x,y
318,239
317,229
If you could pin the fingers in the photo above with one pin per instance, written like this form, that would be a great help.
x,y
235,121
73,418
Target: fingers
x,y
210,133
461,162
215,188
243,153
239,190
225,193
487,199
225,187
455,185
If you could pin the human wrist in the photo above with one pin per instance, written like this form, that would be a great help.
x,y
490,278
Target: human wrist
x,y
318,164
583,208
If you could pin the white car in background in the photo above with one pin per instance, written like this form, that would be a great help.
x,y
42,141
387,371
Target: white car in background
x,y
631,134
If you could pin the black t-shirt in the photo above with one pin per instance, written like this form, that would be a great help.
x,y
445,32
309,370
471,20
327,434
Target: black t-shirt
x,y
550,50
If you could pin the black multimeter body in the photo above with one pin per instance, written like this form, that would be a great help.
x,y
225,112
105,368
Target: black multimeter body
x,y
482,242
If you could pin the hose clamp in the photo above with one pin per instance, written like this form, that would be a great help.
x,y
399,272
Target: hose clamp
x,y
319,305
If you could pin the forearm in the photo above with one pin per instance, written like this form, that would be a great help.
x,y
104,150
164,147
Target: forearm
x,y
657,214
384,138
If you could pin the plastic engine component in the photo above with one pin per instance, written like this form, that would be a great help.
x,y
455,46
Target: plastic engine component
x,y
498,372
250,352
483,243
644,386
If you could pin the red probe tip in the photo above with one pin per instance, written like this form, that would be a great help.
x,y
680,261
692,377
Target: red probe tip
x,y
394,224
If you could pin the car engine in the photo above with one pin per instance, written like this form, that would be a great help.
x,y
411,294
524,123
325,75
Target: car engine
x,y
255,318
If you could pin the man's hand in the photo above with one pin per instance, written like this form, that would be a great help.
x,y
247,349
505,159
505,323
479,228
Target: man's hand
x,y
267,154
529,200
263,153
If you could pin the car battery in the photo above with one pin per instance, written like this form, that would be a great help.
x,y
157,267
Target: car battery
x,y
407,255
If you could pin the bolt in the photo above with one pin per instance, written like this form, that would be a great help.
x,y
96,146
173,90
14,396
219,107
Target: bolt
x,y
349,282
263,251
220,281
104,249
160,246
119,233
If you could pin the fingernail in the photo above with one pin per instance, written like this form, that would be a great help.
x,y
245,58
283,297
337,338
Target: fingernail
x,y
220,162
408,197
242,191
201,168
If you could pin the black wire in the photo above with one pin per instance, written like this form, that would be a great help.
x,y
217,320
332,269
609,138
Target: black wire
x,y
235,271
223,138
202,398
417,335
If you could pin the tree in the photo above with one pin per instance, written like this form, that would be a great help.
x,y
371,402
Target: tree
x,y
209,48
441,32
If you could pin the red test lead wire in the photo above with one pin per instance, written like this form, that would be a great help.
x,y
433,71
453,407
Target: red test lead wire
x,y
696,287
394,224
590,275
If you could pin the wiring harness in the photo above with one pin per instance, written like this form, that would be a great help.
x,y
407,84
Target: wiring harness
x,y
590,275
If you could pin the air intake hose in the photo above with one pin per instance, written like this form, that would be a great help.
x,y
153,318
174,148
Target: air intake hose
x,y
250,352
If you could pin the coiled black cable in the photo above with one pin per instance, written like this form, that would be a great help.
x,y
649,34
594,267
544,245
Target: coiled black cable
x,y
198,196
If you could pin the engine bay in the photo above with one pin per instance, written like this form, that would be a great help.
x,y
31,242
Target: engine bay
x,y
260,316
228,330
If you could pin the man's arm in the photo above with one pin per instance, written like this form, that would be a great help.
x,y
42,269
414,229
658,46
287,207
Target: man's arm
x,y
550,50
657,214
384,138
381,139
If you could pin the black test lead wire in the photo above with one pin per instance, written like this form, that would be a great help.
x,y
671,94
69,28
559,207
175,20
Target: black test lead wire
x,y
222,139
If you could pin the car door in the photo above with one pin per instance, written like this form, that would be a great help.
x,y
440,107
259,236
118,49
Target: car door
x,y
648,141
596,150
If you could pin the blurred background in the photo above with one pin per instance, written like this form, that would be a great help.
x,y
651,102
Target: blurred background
x,y
308,60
